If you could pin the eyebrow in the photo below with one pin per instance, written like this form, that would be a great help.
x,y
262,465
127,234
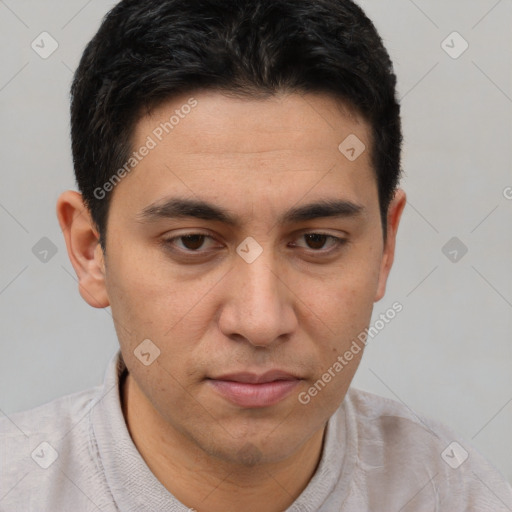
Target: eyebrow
x,y
177,207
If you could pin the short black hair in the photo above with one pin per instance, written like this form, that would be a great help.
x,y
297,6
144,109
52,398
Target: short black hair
x,y
147,51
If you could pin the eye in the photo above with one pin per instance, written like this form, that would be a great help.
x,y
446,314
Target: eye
x,y
192,242
317,240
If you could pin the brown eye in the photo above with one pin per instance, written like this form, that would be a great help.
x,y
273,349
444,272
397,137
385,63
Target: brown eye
x,y
316,240
192,242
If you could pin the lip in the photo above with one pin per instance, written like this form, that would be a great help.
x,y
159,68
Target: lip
x,y
250,390
253,378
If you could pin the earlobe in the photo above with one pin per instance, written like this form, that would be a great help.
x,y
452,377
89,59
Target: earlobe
x,y
84,251
395,210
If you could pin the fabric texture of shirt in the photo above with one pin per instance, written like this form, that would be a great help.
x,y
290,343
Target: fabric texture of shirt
x,y
75,454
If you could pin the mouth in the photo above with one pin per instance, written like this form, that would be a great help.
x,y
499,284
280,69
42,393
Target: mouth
x,y
251,390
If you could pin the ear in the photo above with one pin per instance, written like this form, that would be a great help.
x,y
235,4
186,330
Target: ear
x,y
84,250
395,210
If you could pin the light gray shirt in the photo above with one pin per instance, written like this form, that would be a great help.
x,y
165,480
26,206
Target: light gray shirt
x,y
76,454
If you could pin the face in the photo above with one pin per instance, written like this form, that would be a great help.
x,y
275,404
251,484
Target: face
x,y
256,283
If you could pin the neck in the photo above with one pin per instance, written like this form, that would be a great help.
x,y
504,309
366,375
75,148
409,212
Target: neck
x,y
203,482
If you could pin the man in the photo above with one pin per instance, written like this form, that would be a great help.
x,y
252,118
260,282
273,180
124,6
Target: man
x,y
238,163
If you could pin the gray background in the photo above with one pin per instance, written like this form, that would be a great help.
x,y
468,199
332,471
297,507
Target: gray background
x,y
447,355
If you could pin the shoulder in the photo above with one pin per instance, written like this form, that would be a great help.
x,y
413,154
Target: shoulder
x,y
420,459
50,417
40,445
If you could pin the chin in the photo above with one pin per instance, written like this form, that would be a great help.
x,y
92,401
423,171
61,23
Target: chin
x,y
253,450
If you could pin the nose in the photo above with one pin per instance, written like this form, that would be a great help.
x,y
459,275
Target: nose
x,y
259,304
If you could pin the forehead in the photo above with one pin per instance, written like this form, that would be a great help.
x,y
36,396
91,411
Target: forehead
x,y
213,146
251,124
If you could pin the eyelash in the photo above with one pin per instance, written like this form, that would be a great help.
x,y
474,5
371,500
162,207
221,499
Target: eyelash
x,y
338,243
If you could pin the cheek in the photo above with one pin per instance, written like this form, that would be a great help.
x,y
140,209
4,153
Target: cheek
x,y
142,285
343,298
346,310
339,310
150,300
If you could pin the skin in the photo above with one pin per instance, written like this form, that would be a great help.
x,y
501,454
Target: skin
x,y
295,308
